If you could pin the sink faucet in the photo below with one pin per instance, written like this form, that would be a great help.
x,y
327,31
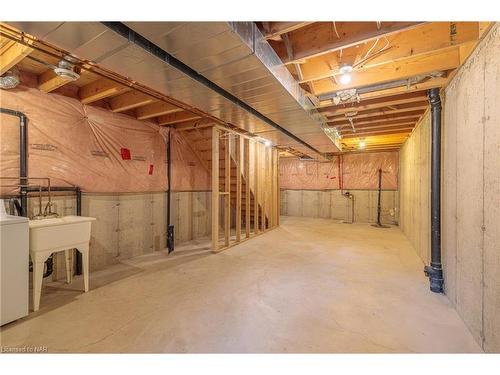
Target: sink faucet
x,y
47,212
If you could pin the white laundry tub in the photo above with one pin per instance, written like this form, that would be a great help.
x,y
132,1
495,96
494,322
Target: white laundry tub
x,y
59,233
48,236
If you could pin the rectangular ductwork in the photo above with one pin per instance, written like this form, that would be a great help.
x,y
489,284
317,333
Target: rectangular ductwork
x,y
234,56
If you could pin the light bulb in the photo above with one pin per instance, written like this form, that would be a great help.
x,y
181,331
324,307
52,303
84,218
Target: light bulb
x,y
267,143
362,144
345,78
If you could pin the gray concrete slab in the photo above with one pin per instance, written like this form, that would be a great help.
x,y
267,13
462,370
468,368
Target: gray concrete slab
x,y
311,285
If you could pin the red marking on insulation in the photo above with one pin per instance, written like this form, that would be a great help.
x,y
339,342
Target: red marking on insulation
x,y
125,153
151,167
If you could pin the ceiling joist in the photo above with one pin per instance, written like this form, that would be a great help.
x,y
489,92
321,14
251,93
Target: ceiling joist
x,y
100,89
322,37
393,71
11,54
421,40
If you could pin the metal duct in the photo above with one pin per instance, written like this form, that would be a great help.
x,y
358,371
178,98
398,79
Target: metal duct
x,y
233,55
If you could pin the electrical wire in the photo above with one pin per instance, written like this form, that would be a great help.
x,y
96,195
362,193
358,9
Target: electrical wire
x,y
335,28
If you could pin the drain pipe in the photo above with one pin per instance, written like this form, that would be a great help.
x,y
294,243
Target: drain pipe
x,y
23,155
170,227
435,270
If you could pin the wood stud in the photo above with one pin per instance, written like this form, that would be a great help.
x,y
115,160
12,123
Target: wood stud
x,y
242,155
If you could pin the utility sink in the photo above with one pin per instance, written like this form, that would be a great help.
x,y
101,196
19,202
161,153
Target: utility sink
x,y
51,235
59,233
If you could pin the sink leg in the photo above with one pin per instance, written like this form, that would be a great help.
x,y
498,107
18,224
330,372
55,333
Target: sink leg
x,y
67,257
37,283
84,249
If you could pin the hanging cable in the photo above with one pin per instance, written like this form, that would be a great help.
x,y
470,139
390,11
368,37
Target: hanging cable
x,y
335,28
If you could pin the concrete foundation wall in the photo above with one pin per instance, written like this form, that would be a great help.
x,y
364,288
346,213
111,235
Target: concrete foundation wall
x,y
129,225
471,192
332,204
414,185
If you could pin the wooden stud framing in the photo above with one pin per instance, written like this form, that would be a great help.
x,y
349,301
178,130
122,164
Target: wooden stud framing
x,y
215,189
278,190
238,146
264,187
227,189
247,186
256,190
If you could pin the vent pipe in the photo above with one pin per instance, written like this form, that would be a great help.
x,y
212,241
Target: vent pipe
x,y
435,270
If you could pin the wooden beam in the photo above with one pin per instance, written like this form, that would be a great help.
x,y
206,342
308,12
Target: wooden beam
x,y
215,189
263,187
174,118
156,109
247,186
194,124
273,30
130,100
256,190
49,81
12,53
421,40
278,188
319,38
274,154
100,89
410,67
238,144
227,188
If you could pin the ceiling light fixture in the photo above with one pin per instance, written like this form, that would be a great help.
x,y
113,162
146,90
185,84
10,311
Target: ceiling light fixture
x,y
362,145
10,79
65,70
267,143
345,71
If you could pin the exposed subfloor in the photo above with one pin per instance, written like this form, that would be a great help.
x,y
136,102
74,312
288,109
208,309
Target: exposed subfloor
x,y
312,285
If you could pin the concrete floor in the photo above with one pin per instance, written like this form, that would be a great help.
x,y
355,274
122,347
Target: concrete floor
x,y
312,285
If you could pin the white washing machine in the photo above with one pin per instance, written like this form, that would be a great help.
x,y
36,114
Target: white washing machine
x,y
14,267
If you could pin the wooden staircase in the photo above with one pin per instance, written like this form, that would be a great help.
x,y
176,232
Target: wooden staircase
x,y
200,142
222,187
242,161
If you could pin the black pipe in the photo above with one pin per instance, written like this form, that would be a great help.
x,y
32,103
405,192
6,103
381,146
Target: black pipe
x,y
23,155
148,46
435,270
379,202
379,195
170,227
79,262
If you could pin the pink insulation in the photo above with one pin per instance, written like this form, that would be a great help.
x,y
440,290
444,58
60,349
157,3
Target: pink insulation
x,y
87,146
357,171
189,172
